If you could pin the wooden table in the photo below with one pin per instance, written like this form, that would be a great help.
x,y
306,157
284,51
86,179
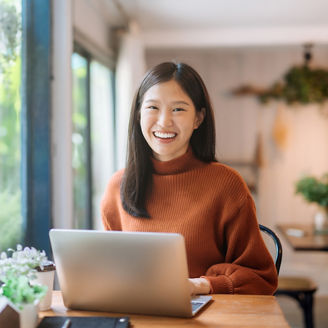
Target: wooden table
x,y
302,237
224,311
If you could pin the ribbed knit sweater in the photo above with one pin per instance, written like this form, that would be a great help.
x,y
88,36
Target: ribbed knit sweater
x,y
210,205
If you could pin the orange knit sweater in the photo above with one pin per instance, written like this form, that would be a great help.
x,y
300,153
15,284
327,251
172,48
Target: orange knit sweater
x,y
210,205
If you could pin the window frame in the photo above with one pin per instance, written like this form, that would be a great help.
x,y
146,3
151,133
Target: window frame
x,y
89,56
35,121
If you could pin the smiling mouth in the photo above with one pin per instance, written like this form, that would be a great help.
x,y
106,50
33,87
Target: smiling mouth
x,y
164,135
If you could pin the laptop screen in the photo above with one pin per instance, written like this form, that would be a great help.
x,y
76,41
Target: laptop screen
x,y
127,272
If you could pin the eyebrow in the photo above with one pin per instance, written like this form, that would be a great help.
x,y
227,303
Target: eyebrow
x,y
178,102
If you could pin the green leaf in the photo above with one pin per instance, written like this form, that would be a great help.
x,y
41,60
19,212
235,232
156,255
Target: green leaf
x,y
313,189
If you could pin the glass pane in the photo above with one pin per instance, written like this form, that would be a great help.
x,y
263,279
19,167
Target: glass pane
x,y
10,109
102,134
80,141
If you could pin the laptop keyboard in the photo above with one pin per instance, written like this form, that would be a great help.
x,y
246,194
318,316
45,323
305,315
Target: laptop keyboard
x,y
196,305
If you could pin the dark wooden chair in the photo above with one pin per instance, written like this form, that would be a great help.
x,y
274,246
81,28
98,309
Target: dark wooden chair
x,y
277,246
302,289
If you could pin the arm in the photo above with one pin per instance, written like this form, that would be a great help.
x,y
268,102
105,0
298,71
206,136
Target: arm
x,y
248,267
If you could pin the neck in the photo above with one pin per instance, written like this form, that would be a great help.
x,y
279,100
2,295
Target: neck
x,y
181,164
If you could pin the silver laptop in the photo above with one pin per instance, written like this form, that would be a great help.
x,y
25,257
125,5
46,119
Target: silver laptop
x,y
124,272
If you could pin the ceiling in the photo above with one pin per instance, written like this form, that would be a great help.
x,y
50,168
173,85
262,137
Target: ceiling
x,y
168,14
217,21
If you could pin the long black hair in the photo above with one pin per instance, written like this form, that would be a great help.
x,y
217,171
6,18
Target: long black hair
x,y
137,176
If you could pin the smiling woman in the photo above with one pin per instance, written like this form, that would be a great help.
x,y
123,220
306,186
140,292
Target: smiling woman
x,y
168,119
173,81
173,183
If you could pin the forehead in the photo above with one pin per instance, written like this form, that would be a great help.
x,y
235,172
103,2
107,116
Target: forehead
x,y
170,90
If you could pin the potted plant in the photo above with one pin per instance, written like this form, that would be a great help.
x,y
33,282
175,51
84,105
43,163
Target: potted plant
x,y
315,190
19,281
24,296
42,270
15,280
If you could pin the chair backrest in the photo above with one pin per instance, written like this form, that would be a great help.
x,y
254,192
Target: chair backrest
x,y
277,246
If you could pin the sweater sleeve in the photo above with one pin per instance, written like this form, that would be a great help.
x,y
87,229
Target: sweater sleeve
x,y
111,203
248,266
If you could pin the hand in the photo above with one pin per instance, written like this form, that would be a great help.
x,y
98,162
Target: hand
x,y
199,286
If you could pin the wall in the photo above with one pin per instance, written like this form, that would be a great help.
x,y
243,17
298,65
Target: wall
x,y
91,29
293,140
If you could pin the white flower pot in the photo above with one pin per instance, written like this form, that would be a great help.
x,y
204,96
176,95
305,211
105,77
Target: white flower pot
x,y
28,316
321,221
45,278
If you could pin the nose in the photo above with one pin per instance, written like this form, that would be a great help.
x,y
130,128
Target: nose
x,y
165,118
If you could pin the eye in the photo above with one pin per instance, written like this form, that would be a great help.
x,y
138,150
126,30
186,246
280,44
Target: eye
x,y
152,107
178,109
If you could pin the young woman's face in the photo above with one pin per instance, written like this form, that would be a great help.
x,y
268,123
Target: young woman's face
x,y
168,118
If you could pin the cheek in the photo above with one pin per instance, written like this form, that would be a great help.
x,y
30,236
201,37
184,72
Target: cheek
x,y
189,125
144,124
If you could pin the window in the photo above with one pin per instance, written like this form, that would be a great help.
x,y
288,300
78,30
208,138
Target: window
x,y
10,123
102,133
80,142
92,137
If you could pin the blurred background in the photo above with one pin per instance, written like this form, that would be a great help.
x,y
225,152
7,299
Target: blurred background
x,y
68,72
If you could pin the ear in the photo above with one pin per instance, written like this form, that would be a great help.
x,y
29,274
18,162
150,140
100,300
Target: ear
x,y
199,118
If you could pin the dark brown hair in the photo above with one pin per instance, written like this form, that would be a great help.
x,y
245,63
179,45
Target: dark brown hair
x,y
137,178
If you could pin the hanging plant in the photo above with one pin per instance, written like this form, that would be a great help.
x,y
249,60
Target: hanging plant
x,y
300,84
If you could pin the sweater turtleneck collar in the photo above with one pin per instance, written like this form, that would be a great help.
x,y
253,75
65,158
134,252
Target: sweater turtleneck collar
x,y
181,164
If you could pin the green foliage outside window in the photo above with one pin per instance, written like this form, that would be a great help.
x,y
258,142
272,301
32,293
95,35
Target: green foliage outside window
x,y
10,105
79,141
10,219
10,27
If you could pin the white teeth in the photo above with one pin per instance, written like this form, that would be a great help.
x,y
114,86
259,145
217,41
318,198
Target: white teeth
x,y
164,135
